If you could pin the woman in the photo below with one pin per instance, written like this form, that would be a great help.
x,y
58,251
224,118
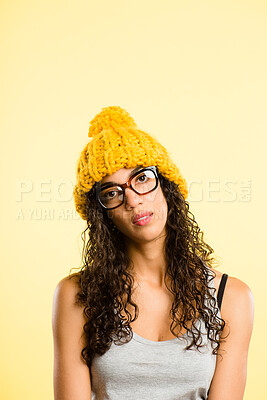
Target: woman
x,y
144,318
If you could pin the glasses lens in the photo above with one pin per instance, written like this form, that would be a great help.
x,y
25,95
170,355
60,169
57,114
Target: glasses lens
x,y
144,182
111,197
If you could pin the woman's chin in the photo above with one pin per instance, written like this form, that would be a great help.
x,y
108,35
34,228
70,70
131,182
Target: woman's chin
x,y
147,235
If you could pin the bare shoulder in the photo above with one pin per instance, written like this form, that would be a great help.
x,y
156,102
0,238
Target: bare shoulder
x,y
69,282
237,307
234,287
238,302
67,314
67,288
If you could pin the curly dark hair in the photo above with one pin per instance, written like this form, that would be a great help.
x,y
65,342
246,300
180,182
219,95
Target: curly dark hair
x,y
106,282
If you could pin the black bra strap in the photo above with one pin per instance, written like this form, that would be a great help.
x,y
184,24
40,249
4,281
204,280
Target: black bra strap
x,y
221,290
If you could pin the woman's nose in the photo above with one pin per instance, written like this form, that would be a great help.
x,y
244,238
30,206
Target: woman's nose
x,y
132,199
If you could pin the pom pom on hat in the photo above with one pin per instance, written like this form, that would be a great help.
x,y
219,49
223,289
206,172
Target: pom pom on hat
x,y
112,117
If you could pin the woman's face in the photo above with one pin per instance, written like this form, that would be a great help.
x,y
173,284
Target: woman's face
x,y
153,202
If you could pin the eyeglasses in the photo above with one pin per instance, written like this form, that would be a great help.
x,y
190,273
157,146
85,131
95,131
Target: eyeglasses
x,y
144,181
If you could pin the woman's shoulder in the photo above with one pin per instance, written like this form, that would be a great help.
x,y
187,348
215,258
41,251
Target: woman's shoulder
x,y
69,282
233,284
68,316
65,293
237,296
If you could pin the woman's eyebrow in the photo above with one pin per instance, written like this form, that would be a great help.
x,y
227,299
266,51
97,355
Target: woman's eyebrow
x,y
131,173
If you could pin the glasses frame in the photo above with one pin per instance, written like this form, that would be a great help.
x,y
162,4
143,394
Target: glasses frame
x,y
126,185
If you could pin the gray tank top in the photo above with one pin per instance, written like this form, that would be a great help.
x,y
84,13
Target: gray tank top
x,y
144,369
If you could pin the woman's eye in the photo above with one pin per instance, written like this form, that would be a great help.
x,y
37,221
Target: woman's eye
x,y
142,176
109,194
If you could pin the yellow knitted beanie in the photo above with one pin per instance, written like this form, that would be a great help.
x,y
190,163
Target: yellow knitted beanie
x,y
117,143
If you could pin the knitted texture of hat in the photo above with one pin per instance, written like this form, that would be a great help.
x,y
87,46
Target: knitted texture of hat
x,y
117,143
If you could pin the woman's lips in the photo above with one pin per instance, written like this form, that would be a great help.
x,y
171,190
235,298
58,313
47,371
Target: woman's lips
x,y
144,220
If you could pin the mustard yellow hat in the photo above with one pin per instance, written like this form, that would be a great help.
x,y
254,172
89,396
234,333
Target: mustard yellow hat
x,y
117,143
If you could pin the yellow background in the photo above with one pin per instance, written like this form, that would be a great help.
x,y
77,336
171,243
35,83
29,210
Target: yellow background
x,y
192,73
